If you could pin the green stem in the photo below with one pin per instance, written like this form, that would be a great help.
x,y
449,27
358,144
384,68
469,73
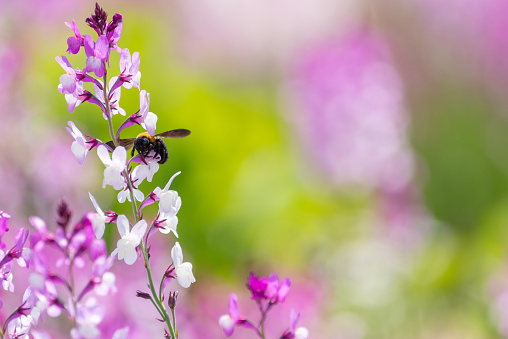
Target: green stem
x,y
154,293
160,307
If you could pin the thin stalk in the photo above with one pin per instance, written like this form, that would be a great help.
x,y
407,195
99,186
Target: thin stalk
x,y
154,293
156,299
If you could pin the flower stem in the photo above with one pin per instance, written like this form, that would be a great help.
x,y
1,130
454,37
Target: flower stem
x,y
160,307
154,293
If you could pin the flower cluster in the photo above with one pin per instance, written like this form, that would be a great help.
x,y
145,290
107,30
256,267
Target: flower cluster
x,y
18,323
77,248
267,292
123,174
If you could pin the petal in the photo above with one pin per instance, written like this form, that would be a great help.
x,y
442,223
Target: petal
x,y
38,224
283,289
119,158
123,225
102,48
130,257
227,324
68,82
94,202
98,225
233,307
170,181
184,274
103,154
79,151
89,45
150,123
125,60
135,64
139,229
176,254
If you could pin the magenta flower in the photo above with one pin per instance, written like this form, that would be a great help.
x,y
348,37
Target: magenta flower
x,y
3,226
257,286
75,42
97,52
276,291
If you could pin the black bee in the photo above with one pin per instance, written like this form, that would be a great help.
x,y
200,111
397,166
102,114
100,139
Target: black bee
x,y
144,143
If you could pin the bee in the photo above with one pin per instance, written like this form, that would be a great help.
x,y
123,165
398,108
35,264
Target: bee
x,y
144,143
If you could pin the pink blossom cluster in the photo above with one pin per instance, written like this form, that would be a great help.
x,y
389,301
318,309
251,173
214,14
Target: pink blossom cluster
x,y
266,292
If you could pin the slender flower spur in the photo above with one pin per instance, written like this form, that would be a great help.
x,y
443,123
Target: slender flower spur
x,y
123,174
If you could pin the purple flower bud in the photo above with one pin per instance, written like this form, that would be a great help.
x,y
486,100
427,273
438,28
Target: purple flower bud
x,y
172,299
99,20
143,295
63,214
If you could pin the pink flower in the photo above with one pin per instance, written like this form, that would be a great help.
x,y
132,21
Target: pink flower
x,y
97,52
75,42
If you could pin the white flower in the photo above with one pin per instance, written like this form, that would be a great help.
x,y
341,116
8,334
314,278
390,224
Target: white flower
x,y
98,219
126,247
169,201
126,195
145,171
183,270
88,316
169,224
107,284
114,166
78,147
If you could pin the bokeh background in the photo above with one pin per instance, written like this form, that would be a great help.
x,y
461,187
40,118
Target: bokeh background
x,y
358,147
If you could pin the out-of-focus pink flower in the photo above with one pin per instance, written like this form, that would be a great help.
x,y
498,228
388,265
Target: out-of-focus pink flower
x,y
347,102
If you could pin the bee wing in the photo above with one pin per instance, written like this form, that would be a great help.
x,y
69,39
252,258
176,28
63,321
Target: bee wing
x,y
175,133
127,143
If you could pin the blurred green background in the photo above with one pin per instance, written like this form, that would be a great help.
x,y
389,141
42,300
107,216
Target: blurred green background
x,y
421,258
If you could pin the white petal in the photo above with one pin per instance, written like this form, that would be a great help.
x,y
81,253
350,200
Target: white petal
x,y
79,151
130,257
176,254
184,274
227,324
150,123
103,154
94,202
123,225
171,180
119,158
98,225
139,229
